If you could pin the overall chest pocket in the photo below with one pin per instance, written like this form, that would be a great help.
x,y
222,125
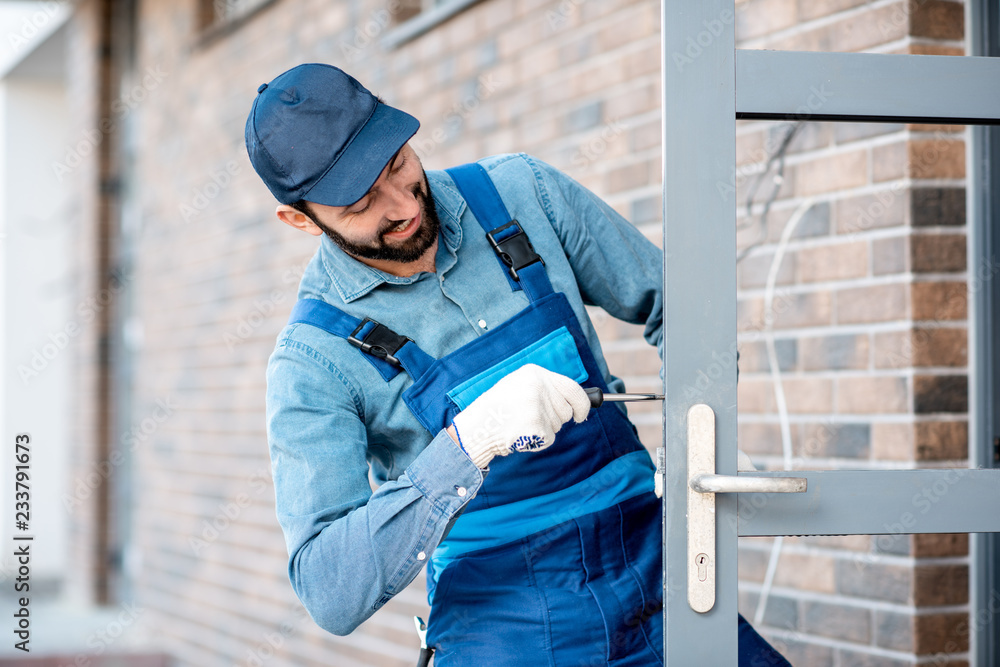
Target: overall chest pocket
x,y
556,352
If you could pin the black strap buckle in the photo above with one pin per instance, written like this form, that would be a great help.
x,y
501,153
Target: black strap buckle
x,y
381,341
515,251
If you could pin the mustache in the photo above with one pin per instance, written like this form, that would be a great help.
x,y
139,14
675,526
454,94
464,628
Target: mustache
x,y
421,197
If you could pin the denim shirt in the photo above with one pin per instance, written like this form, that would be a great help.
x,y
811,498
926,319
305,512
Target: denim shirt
x,y
336,428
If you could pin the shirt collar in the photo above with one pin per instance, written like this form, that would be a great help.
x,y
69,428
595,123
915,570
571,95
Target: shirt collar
x,y
353,279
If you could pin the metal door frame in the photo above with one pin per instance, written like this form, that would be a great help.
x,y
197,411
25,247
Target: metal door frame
x,y
983,199
707,84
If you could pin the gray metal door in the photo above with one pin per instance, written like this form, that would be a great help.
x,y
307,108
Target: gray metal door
x,y
707,85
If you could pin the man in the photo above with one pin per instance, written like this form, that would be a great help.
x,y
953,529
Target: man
x,y
440,346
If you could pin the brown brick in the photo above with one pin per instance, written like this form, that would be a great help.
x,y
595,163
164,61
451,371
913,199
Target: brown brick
x,y
893,349
833,262
856,659
940,347
940,393
836,621
757,438
808,395
801,652
894,630
890,255
936,158
809,10
941,441
847,132
750,315
830,173
921,347
762,17
649,434
894,543
801,310
931,207
754,269
889,161
871,395
834,352
626,27
814,222
785,190
858,32
832,440
937,545
646,135
809,137
937,253
629,177
876,303
940,585
752,564
939,301
892,442
843,542
867,579
781,611
936,633
806,572
919,49
937,19
749,148
755,396
859,214
753,355
643,61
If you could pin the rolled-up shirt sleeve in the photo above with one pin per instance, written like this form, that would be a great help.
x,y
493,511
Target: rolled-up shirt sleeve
x,y
350,549
616,267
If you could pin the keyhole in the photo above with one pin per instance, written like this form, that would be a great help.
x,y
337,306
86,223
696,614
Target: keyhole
x,y
701,560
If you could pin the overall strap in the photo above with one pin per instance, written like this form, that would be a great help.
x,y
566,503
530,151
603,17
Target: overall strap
x,y
523,267
386,350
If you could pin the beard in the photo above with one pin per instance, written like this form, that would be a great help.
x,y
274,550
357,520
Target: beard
x,y
408,250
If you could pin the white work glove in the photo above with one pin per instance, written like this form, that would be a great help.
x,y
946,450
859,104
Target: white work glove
x,y
520,413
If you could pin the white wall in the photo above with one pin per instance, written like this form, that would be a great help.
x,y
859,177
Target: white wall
x,y
35,304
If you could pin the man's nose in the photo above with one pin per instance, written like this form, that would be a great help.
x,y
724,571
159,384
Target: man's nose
x,y
403,204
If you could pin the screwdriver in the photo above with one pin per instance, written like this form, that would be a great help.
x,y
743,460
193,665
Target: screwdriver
x,y
598,397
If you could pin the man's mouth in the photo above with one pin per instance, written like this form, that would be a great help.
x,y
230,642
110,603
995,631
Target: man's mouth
x,y
404,228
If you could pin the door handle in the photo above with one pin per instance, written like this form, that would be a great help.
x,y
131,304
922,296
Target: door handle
x,y
703,484
712,483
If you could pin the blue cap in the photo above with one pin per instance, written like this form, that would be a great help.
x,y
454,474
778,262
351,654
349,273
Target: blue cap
x,y
316,133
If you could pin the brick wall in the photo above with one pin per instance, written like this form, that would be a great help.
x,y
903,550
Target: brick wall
x,y
870,335
83,80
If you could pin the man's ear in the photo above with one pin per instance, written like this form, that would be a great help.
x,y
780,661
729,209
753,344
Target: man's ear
x,y
297,219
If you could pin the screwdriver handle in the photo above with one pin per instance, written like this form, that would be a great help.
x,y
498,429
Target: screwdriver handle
x,y
596,396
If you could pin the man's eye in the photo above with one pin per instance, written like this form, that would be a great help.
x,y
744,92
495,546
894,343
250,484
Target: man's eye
x,y
399,165
367,206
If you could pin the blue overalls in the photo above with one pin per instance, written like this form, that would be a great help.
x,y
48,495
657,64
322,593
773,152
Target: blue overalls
x,y
557,560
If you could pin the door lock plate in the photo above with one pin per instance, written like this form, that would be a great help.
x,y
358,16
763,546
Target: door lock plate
x,y
701,509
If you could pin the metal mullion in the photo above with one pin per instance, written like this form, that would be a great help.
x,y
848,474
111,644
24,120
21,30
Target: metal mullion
x,y
983,197
867,87
699,240
869,502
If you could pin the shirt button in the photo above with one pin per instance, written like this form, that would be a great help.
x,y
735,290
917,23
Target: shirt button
x,y
482,324
461,491
421,556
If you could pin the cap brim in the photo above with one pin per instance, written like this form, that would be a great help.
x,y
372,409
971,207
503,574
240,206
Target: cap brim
x,y
361,163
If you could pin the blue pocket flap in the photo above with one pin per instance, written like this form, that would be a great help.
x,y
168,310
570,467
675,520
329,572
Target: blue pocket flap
x,y
556,352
